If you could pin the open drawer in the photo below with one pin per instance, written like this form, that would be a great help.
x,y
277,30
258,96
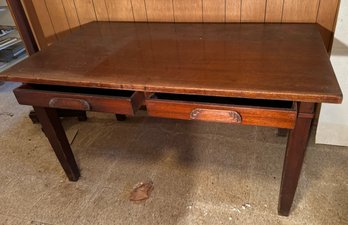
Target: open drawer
x,y
87,99
281,114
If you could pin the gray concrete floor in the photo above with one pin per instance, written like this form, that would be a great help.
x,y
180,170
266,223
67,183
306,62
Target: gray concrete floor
x,y
203,173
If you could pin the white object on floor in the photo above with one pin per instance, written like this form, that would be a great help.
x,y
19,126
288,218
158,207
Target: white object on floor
x,y
333,121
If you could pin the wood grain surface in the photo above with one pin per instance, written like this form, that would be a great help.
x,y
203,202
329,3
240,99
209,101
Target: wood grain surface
x,y
71,13
85,11
248,115
274,11
269,61
120,10
139,10
300,11
101,10
188,11
159,10
253,11
78,12
58,17
40,22
233,8
214,11
122,102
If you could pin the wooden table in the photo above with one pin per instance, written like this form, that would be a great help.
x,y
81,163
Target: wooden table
x,y
251,74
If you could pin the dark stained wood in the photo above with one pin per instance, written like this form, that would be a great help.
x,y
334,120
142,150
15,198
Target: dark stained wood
x,y
282,132
69,103
295,152
257,70
226,113
33,117
55,134
122,102
23,25
24,29
81,115
266,61
216,115
323,12
120,117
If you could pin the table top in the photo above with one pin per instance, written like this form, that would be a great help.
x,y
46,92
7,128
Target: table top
x,y
264,61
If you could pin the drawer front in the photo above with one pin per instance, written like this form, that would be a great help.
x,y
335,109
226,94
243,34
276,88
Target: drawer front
x,y
273,117
119,102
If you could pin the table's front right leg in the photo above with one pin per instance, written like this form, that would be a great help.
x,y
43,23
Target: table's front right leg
x,y
294,155
55,133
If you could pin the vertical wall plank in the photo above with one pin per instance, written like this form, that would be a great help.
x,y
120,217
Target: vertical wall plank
x,y
40,21
326,18
159,10
45,20
188,10
214,11
274,11
120,10
58,17
327,13
101,11
300,11
233,8
85,11
49,18
71,14
34,23
253,10
139,10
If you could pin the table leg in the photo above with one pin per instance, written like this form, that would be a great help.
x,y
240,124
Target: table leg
x,y
120,117
295,151
55,133
81,115
282,132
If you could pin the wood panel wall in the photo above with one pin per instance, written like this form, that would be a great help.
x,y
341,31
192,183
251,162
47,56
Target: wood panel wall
x,y
53,19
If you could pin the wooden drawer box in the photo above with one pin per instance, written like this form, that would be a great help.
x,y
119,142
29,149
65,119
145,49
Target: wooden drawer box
x,y
281,114
87,99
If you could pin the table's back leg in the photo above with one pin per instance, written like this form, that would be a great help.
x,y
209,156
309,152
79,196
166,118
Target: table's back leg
x,y
282,132
121,117
81,115
295,151
55,133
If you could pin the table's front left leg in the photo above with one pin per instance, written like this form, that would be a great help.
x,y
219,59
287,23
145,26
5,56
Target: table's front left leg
x,y
294,155
55,133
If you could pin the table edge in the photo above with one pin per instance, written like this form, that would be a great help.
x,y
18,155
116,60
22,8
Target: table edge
x,y
335,98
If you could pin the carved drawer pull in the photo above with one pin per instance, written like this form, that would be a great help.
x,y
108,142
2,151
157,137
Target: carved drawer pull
x,y
69,103
226,116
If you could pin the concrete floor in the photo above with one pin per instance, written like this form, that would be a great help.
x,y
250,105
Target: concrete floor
x,y
203,173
